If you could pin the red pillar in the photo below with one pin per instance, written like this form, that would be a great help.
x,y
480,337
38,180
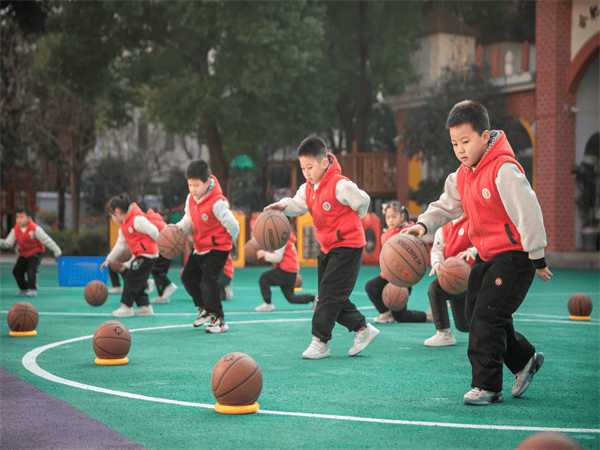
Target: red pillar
x,y
555,128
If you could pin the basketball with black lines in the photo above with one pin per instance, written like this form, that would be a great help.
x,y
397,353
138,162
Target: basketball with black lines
x,y
236,380
95,292
403,260
580,305
171,242
272,230
453,275
111,340
250,249
22,316
394,298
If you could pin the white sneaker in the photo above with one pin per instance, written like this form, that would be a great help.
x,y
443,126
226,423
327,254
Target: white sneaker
x,y
265,307
316,349
441,339
385,317
314,303
31,293
115,290
124,311
363,338
429,316
217,325
228,292
481,397
203,317
160,299
22,293
144,311
524,377
151,286
169,290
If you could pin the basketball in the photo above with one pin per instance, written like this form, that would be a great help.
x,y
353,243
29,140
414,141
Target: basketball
x,y
549,440
125,256
236,380
395,298
403,260
299,281
22,316
171,242
111,340
95,293
117,266
453,275
250,249
580,305
272,230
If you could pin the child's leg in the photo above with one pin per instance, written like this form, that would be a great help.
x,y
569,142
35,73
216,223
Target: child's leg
x,y
266,280
19,272
159,273
191,276
33,265
212,265
114,278
135,282
288,282
458,313
374,289
406,315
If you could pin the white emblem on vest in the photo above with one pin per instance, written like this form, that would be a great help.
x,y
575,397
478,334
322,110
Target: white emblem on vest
x,y
486,194
461,231
32,235
204,216
326,206
130,230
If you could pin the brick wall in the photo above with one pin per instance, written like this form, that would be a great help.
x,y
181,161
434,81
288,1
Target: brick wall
x,y
522,104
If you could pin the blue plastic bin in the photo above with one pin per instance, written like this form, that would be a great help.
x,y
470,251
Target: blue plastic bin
x,y
80,270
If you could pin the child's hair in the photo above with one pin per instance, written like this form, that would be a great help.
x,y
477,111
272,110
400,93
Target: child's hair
x,y
24,209
314,147
198,170
120,201
396,206
469,111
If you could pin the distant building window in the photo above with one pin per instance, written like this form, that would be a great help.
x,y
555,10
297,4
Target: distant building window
x,y
509,63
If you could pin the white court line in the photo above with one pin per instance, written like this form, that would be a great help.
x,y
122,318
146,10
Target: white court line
x,y
30,363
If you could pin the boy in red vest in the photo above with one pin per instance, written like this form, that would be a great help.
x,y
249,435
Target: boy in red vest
x,y
287,266
139,235
336,205
32,241
507,228
450,240
215,228
164,286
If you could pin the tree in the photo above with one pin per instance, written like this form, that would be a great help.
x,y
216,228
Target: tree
x,y
109,178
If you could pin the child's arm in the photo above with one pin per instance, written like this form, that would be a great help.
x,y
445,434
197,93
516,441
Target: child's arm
x,y
224,215
292,206
273,257
185,223
468,254
437,251
143,225
348,193
119,247
10,240
43,237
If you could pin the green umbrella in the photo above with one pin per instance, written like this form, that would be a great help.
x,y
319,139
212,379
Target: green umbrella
x,y
242,162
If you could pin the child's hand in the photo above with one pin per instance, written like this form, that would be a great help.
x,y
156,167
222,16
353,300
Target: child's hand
x,y
104,265
544,273
466,255
260,254
434,269
416,230
277,206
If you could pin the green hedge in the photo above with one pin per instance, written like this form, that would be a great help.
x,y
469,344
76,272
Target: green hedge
x,y
85,243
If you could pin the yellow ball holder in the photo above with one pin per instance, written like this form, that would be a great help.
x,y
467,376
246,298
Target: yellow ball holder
x,y
297,289
23,333
239,409
579,317
111,362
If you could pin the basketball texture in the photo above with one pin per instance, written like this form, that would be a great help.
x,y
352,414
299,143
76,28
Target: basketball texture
x,y
111,340
549,440
125,256
272,230
453,275
395,298
95,293
299,281
117,266
403,260
171,242
236,380
250,249
580,305
22,316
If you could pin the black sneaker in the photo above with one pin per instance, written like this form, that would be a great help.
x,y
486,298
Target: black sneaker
x,y
217,325
203,317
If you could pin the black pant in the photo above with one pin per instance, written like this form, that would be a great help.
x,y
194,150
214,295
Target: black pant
x,y
114,278
337,271
135,281
287,282
200,277
159,273
30,267
374,289
439,309
495,291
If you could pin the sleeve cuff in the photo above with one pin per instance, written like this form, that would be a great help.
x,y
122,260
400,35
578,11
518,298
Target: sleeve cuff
x,y
423,225
539,263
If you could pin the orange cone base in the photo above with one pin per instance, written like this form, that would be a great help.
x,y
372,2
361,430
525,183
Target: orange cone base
x,y
297,289
240,409
23,333
579,317
111,362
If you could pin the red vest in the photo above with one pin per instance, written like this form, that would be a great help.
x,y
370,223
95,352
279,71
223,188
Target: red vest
x,y
156,219
209,233
490,229
290,262
387,234
139,243
456,238
336,225
28,243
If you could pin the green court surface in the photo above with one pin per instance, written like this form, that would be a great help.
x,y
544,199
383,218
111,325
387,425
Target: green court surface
x,y
395,394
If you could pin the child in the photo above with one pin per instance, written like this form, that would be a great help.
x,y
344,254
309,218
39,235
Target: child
x,y
122,268
164,286
32,241
450,240
139,234
287,266
215,228
396,219
336,205
507,228
226,288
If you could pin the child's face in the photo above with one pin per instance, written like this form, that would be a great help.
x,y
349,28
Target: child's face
x,y
392,218
312,169
469,146
22,219
118,216
198,187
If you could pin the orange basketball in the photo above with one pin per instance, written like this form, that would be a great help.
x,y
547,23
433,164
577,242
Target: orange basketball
x,y
22,316
236,380
125,256
403,260
250,249
453,275
580,305
549,440
117,266
171,242
95,293
299,281
395,298
272,230
111,340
